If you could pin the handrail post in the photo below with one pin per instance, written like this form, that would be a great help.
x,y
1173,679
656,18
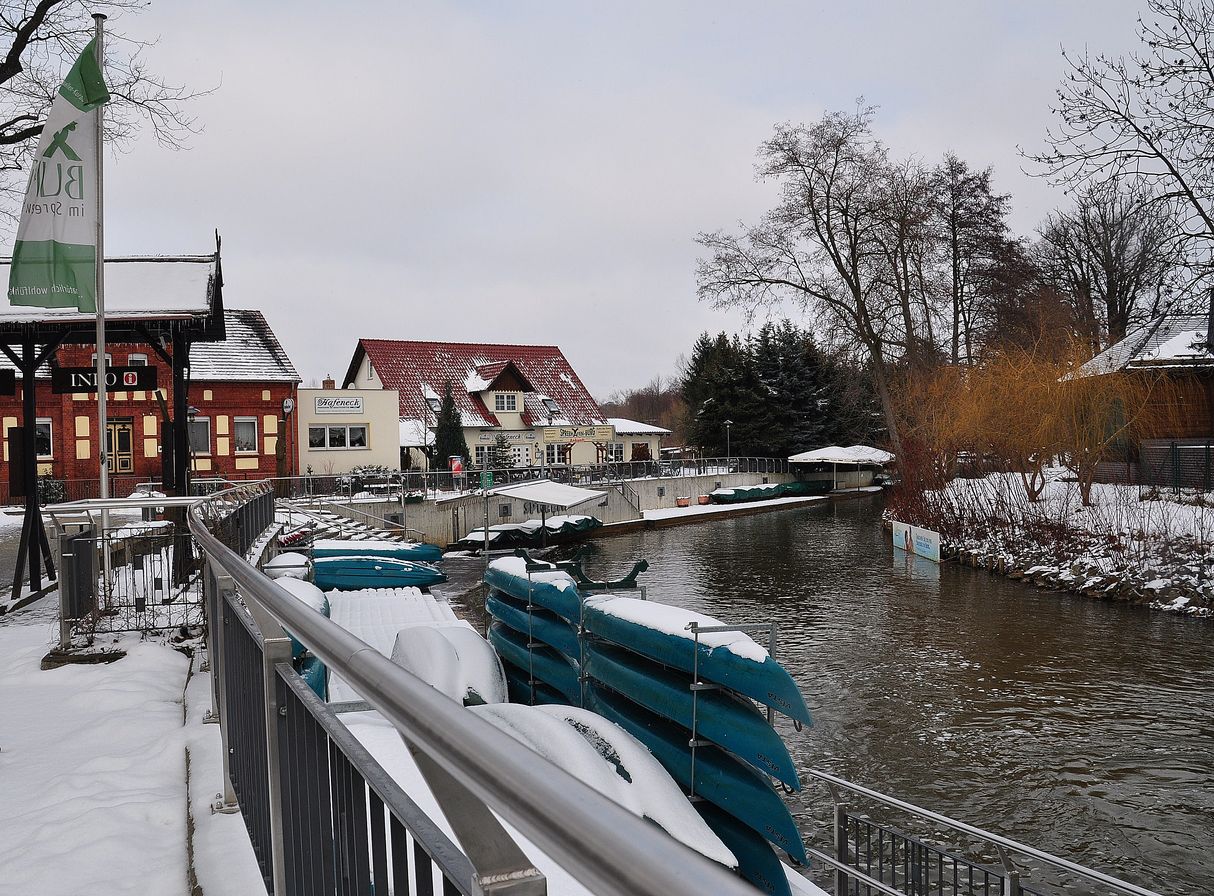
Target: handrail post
x,y
841,883
275,651
225,589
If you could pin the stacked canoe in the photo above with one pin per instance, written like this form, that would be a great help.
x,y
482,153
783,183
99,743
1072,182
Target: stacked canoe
x,y
529,534
744,493
634,663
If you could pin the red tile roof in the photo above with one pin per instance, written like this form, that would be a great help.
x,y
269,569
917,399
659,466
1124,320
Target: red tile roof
x,y
413,367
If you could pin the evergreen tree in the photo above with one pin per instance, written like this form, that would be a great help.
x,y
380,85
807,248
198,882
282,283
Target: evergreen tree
x,y
501,454
448,431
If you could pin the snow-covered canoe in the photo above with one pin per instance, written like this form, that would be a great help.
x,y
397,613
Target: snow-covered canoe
x,y
401,550
347,573
719,778
543,625
543,662
722,718
733,659
550,588
454,659
611,761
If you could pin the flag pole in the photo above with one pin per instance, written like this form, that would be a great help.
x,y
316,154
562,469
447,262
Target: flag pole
x,y
102,422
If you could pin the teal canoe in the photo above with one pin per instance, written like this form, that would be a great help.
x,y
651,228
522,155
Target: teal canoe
x,y
316,675
722,718
555,591
349,573
719,778
548,666
637,625
522,692
544,625
418,551
757,861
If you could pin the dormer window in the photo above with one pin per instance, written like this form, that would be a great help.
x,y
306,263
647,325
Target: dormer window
x,y
434,403
507,401
552,408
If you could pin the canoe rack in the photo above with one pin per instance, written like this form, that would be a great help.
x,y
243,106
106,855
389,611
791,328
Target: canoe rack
x,y
573,567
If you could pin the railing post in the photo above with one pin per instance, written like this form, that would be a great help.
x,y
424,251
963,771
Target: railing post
x,y
841,887
224,589
275,651
1012,884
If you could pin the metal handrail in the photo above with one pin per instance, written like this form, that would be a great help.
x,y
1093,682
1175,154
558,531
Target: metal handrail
x,y
995,839
604,846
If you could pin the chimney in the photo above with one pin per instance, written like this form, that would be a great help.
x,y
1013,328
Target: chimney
x,y
327,382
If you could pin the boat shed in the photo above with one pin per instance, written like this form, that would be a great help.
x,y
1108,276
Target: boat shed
x,y
860,463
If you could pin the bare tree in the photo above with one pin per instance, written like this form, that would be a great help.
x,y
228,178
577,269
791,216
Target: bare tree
x,y
972,218
1146,121
1113,257
821,247
44,37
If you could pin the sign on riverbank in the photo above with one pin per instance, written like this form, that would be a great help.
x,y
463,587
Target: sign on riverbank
x,y
923,542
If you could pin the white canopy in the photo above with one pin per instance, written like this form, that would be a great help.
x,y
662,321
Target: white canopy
x,y
554,494
856,454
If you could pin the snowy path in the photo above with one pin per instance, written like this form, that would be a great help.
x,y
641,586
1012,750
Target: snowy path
x,y
93,773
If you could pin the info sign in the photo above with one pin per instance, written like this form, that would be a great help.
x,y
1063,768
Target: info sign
x,y
66,380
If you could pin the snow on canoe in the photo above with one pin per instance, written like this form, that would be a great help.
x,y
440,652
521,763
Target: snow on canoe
x,y
733,659
551,588
377,547
347,573
452,658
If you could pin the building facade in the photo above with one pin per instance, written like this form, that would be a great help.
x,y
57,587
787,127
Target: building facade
x,y
340,430
527,393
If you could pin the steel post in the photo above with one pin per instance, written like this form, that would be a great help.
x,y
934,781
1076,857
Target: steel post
x,y
275,651
225,590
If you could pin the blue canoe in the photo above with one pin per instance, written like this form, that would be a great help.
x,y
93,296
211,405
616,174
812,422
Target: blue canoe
x,y
547,665
418,551
564,601
349,573
757,861
316,675
719,778
544,625
767,681
722,718
522,692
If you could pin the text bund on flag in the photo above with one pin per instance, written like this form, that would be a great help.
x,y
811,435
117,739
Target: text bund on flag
x,y
55,256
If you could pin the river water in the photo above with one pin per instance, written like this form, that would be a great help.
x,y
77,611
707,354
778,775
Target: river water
x,y
1081,727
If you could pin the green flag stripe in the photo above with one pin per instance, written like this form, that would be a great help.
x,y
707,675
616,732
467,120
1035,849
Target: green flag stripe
x,y
84,86
53,275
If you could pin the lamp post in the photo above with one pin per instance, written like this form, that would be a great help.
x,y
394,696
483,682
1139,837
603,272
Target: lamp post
x,y
728,455
191,415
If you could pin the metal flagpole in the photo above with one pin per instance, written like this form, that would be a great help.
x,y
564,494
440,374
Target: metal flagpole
x,y
102,422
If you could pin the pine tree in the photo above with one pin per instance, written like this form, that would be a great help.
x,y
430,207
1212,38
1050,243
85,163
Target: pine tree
x,y
501,454
448,431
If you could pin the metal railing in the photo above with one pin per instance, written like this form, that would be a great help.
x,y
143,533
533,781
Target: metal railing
x,y
903,865
470,765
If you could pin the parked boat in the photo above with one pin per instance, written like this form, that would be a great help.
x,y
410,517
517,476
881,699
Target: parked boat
x,y
417,551
718,777
351,573
452,658
543,625
550,588
521,691
757,861
726,720
733,659
546,664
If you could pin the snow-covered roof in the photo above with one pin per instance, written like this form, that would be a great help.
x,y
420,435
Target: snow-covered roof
x,y
137,287
420,370
834,454
1170,340
250,353
554,494
625,427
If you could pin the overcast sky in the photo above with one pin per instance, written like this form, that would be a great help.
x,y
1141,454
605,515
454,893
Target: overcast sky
x,y
537,172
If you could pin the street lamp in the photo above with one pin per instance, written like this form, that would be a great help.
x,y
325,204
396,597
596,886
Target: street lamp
x,y
191,414
728,455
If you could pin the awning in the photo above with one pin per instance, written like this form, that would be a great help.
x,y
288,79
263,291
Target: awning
x,y
834,454
554,494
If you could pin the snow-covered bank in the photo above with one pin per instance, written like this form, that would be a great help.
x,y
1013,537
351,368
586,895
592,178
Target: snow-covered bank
x,y
1145,547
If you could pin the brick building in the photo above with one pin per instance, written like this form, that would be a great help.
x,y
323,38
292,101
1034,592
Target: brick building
x,y
235,392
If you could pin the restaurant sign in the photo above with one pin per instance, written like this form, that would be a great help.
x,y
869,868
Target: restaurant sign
x,y
339,404
562,434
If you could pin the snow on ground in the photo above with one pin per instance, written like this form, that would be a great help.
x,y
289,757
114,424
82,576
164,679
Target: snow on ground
x,y
1147,545
667,513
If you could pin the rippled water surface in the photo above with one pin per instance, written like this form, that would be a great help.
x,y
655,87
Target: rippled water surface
x,y
1084,728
